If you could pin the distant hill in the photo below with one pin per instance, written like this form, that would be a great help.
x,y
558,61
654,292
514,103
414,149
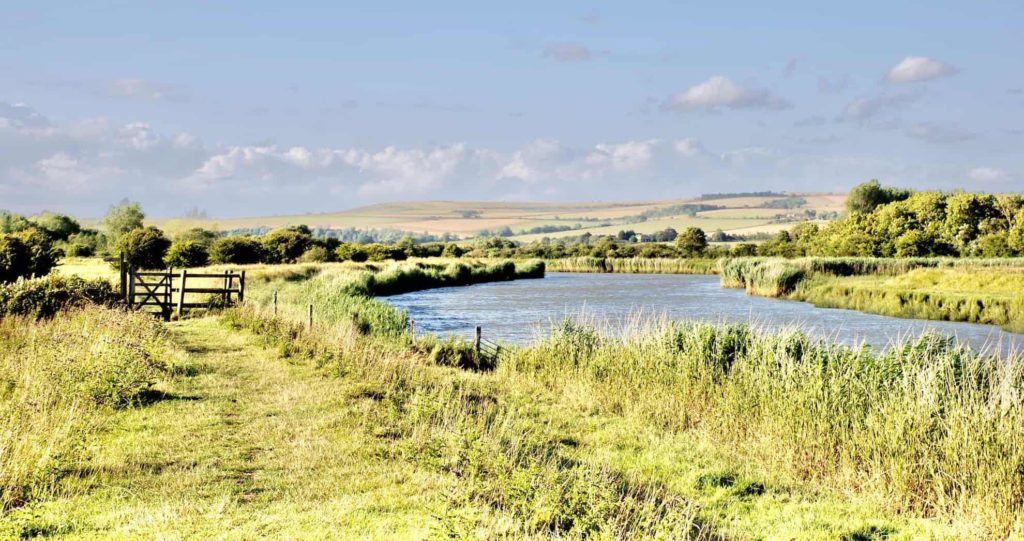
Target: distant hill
x,y
732,213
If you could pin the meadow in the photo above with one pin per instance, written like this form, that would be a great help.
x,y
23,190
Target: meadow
x,y
252,421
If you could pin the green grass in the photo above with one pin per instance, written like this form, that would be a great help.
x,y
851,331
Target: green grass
x,y
984,291
60,381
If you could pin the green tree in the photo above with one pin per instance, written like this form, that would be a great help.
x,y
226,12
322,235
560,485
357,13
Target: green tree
x,y
144,248
13,223
199,235
57,226
692,242
15,259
187,253
236,250
351,252
122,218
867,196
287,245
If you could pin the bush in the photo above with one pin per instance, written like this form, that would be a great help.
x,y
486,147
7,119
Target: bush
x,y
286,245
236,250
316,254
188,253
45,297
351,252
25,254
144,248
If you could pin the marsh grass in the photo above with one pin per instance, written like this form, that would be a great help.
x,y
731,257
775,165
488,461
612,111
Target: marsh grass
x,y
637,265
984,291
926,429
58,378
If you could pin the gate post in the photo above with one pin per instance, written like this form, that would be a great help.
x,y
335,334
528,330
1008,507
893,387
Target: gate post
x,y
181,293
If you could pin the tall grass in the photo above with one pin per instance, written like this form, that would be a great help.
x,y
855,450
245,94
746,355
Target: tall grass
x,y
57,378
972,290
929,428
638,265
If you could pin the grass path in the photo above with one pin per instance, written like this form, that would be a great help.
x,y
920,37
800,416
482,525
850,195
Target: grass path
x,y
239,444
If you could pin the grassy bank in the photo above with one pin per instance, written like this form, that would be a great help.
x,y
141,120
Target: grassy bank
x,y
972,290
637,265
921,440
60,380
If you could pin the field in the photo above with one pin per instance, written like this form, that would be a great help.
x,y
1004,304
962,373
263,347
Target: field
x,y
468,218
249,424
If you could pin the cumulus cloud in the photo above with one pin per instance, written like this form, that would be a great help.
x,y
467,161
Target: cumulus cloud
x,y
988,175
19,115
719,92
568,52
913,69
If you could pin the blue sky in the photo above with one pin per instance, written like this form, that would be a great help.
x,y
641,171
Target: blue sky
x,y
283,107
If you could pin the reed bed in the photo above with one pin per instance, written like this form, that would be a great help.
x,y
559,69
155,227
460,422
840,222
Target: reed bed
x,y
58,378
637,265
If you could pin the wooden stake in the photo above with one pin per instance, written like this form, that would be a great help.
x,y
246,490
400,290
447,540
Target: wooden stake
x,y
275,303
181,293
241,288
412,329
310,316
477,345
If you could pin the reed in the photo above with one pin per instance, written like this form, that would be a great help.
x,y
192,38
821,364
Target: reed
x,y
636,265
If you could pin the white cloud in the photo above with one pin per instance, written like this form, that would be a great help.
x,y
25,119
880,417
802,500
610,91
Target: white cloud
x,y
721,92
918,68
689,147
988,175
938,133
862,109
567,52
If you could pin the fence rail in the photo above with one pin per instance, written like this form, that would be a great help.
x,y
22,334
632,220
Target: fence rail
x,y
167,289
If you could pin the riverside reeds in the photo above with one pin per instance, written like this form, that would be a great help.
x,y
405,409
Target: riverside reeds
x,y
972,290
638,265
928,429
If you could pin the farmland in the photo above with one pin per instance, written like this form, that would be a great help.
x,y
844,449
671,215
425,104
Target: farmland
x,y
468,218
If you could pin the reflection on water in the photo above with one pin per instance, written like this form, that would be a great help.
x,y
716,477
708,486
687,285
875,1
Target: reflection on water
x,y
523,310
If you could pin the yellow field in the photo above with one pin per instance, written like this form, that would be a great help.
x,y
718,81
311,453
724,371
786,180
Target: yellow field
x,y
436,217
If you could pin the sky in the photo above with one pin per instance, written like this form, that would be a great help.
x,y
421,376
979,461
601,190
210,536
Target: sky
x,y
260,108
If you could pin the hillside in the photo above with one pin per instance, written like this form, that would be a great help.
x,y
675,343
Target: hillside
x,y
469,218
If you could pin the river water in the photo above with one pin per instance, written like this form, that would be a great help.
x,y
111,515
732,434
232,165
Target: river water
x,y
522,311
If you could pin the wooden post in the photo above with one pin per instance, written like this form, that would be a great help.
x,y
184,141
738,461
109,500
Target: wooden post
x,y
131,288
226,296
124,279
165,306
310,316
275,303
181,293
241,288
412,329
476,345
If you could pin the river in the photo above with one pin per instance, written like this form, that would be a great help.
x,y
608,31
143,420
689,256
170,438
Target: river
x,y
523,310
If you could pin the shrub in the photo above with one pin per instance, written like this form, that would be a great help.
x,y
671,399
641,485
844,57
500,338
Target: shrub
x,y
25,254
237,250
286,245
351,252
45,297
188,253
316,254
144,248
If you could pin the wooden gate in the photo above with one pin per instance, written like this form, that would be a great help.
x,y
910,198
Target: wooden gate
x,y
170,292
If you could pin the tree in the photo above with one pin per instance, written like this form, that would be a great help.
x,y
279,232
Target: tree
x,y
187,253
121,219
236,250
144,248
287,245
199,235
57,226
13,223
869,195
692,242
15,259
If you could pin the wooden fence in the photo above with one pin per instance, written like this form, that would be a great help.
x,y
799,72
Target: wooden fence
x,y
166,290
